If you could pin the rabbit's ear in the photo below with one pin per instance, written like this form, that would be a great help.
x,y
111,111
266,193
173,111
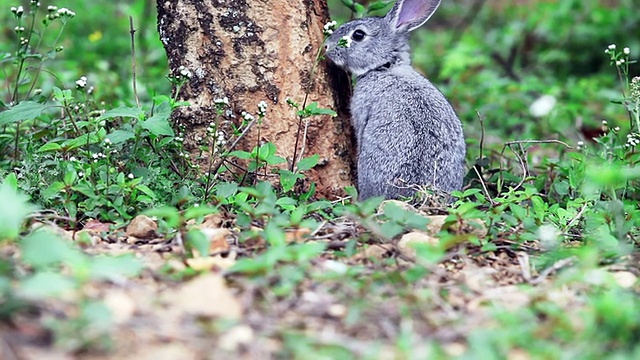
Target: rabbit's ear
x,y
408,15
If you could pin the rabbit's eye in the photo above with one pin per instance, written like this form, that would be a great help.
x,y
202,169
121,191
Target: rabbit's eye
x,y
358,35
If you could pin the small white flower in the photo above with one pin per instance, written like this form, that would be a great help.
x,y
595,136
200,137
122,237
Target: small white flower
x,y
580,143
130,176
329,27
617,128
65,12
80,174
81,83
626,51
612,47
247,116
221,101
345,41
185,72
618,63
262,108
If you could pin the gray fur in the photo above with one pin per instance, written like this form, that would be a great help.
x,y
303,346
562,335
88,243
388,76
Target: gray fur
x,y
407,132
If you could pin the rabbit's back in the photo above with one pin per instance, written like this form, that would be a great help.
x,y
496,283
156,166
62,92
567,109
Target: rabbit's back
x,y
407,133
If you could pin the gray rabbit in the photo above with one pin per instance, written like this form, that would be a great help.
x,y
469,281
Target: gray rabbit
x,y
407,132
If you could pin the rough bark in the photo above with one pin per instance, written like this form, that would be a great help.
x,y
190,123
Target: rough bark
x,y
253,50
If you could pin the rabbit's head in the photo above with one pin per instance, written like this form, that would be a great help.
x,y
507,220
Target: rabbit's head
x,y
365,44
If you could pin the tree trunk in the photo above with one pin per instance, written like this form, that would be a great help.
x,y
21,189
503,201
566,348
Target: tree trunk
x,y
254,50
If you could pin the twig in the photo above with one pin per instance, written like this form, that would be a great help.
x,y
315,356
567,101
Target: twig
x,y
575,218
132,31
304,144
555,267
521,160
484,186
220,161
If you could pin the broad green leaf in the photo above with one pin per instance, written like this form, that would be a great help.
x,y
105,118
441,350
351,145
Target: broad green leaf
x,y
226,190
45,284
114,267
170,214
120,136
288,179
241,154
158,125
198,241
308,163
26,110
14,209
195,212
42,248
12,181
50,146
123,111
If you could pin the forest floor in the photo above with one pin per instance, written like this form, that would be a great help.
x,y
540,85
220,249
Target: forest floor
x,y
372,303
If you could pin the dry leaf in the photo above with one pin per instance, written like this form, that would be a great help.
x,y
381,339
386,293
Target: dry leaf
x,y
297,235
206,295
96,227
211,262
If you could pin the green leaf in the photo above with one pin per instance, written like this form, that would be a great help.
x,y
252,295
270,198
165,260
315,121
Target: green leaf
x,y
120,136
158,125
241,154
313,109
14,209
26,110
42,248
170,215
308,163
123,111
115,267
198,241
195,212
226,190
378,5
50,146
45,284
146,190
12,181
274,234
288,179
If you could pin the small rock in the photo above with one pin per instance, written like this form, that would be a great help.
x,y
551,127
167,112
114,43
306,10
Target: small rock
x,y
142,227
337,311
236,337
436,222
121,305
375,251
406,245
625,279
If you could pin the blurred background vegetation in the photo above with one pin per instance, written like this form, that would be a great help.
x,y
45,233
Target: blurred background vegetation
x,y
491,58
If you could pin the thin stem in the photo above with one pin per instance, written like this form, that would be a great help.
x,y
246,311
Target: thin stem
x,y
132,31
304,104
